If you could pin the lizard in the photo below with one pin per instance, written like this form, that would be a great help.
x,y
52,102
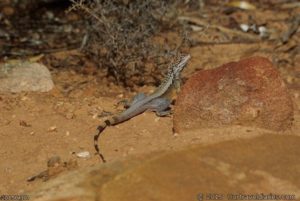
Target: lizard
x,y
157,101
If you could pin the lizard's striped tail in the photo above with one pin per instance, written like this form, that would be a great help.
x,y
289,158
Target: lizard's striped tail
x,y
96,137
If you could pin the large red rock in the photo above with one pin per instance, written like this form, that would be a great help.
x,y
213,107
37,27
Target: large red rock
x,y
249,92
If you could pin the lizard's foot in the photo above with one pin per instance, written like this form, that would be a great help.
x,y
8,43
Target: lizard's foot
x,y
124,102
104,114
164,113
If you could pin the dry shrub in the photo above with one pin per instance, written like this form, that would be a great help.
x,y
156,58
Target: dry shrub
x,y
125,37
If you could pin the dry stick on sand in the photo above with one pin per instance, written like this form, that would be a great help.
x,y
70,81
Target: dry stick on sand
x,y
203,23
291,30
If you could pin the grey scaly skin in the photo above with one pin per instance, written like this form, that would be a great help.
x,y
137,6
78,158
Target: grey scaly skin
x,y
157,101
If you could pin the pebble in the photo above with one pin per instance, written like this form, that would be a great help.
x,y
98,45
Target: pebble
x,y
67,133
52,129
83,154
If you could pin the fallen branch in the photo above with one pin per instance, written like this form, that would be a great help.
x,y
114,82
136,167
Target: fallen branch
x,y
291,30
203,23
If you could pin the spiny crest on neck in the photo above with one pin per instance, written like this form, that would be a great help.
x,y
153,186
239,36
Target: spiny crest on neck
x,y
173,72
177,66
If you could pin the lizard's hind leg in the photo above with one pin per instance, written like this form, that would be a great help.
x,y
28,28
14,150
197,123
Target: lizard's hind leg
x,y
138,97
161,106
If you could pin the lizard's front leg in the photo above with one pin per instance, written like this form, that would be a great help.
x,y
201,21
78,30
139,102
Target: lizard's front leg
x,y
161,106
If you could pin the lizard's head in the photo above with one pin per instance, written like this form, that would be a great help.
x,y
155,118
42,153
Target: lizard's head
x,y
177,67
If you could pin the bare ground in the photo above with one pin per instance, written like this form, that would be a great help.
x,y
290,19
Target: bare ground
x,y
37,126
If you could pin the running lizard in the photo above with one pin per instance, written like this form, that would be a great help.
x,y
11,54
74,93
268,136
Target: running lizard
x,y
157,101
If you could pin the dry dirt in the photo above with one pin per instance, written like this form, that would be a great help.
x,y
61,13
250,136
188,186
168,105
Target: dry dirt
x,y
37,126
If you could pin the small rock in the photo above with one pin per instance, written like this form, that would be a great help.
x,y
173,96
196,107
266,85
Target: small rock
x,y
67,133
120,96
24,124
157,119
55,166
52,129
54,161
24,98
249,92
70,115
244,27
83,154
24,76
